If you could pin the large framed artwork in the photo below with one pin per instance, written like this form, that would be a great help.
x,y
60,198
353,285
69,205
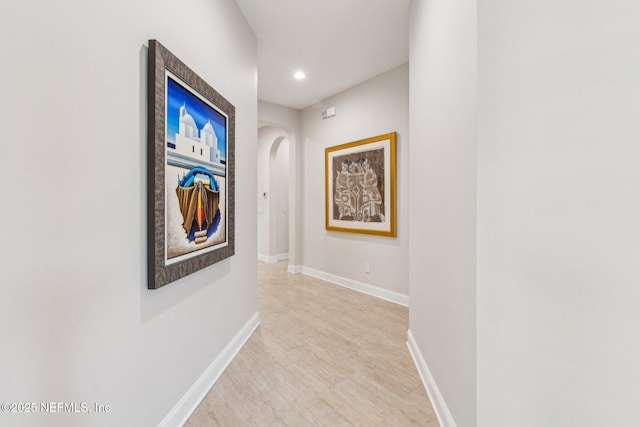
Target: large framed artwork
x,y
191,131
360,188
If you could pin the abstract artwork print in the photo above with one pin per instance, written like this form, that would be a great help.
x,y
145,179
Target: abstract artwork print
x,y
195,174
360,186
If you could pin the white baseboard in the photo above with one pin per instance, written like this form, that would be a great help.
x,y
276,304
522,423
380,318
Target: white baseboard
x,y
365,288
294,269
439,406
272,258
180,413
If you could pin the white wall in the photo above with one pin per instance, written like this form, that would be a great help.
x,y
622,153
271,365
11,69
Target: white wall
x,y
442,197
288,120
377,106
558,210
77,322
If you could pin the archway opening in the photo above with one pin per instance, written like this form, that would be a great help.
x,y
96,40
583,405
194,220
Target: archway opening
x,y
273,194
279,202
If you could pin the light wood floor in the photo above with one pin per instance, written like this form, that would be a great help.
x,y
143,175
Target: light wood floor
x,y
323,355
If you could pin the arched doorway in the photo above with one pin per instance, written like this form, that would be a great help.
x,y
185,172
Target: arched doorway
x,y
273,194
279,203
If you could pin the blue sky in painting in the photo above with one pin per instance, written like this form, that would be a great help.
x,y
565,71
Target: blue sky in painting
x,y
201,112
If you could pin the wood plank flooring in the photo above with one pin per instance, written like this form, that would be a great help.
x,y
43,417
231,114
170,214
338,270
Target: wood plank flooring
x,y
323,355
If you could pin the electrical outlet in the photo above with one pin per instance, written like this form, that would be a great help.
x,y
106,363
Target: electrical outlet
x,y
367,267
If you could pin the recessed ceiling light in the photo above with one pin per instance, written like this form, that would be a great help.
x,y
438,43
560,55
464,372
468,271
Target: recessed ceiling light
x,y
299,75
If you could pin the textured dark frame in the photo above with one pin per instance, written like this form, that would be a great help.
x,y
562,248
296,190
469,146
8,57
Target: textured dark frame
x,y
159,274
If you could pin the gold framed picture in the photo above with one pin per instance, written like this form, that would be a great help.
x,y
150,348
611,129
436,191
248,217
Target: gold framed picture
x,y
360,186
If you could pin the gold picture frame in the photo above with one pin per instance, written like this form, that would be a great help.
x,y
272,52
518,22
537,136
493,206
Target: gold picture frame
x,y
360,186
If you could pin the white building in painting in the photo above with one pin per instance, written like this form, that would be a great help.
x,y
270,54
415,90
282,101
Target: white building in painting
x,y
209,138
204,147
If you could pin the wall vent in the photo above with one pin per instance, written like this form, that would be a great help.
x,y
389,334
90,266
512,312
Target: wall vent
x,y
329,112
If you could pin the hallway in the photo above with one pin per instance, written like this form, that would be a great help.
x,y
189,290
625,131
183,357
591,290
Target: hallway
x,y
323,355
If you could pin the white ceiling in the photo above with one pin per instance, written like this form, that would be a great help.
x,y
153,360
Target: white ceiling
x,y
337,43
